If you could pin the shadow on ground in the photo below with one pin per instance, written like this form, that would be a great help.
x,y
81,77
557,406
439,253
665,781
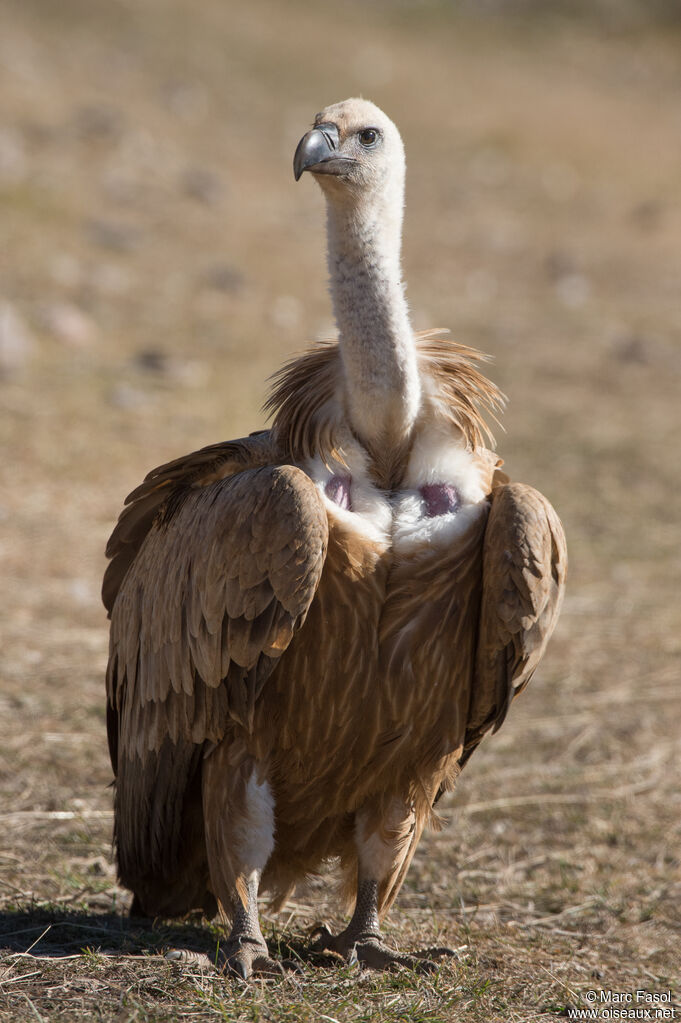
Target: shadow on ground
x,y
44,933
48,932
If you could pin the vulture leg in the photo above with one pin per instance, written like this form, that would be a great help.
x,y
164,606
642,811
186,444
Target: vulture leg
x,y
245,951
239,815
385,846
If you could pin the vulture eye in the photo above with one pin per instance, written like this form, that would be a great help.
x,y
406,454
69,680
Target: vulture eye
x,y
368,137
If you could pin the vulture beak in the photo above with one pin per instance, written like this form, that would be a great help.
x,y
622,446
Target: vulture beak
x,y
317,151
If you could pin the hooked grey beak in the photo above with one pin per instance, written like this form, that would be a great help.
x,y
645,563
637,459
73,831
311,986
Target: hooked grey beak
x,y
317,151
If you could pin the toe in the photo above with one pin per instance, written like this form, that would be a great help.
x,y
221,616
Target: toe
x,y
321,938
239,967
248,960
265,966
378,956
441,952
291,966
419,964
369,949
236,958
186,957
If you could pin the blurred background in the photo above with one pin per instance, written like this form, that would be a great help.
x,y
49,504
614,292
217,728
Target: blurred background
x,y
158,263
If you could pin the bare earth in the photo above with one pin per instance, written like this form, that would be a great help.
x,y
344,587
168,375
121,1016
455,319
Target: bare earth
x,y
157,263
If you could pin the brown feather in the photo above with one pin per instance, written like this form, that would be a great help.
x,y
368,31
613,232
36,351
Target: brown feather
x,y
307,407
525,568
172,677
253,629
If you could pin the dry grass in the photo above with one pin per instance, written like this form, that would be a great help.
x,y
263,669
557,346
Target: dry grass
x,y
163,263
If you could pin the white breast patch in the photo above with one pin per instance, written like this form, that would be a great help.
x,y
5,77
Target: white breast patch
x,y
443,494
350,495
426,511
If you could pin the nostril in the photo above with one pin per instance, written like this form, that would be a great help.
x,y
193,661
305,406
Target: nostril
x,y
440,499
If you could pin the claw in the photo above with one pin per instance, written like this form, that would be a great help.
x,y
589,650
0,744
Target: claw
x,y
245,962
321,938
244,956
239,968
369,949
291,966
189,958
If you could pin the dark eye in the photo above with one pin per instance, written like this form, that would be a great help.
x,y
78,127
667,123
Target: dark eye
x,y
368,137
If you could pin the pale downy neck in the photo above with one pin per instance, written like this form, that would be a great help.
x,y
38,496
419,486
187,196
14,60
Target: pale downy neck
x,y
378,353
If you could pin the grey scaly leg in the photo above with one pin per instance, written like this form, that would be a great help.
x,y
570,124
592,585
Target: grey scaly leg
x,y
380,853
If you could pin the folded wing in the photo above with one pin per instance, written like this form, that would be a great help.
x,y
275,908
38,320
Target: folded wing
x,y
524,571
215,563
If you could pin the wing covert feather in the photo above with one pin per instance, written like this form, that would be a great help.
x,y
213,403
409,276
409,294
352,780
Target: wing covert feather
x,y
524,571
161,485
199,620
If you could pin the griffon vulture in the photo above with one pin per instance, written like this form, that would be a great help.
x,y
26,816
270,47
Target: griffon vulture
x,y
312,628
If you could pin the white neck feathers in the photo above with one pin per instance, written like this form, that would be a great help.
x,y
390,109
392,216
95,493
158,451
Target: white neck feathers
x,y
378,353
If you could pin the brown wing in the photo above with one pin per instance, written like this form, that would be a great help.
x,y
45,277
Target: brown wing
x,y
524,570
194,470
216,570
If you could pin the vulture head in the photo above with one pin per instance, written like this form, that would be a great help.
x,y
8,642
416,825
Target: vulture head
x,y
356,154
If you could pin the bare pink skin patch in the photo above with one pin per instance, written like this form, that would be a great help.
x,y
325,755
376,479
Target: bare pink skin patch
x,y
337,489
440,499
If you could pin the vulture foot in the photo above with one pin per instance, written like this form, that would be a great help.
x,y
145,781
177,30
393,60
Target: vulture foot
x,y
244,956
369,949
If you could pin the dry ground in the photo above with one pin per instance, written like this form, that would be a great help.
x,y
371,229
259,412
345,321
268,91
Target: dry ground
x,y
157,262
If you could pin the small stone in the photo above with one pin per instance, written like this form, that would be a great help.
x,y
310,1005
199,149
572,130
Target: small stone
x,y
97,122
98,867
125,397
286,312
110,279
13,158
66,271
69,324
559,264
560,182
481,286
16,340
647,215
152,360
81,592
573,290
113,236
187,100
490,167
222,277
633,348
203,185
